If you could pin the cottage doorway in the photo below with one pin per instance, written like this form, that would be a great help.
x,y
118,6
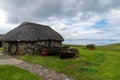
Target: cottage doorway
x,y
13,48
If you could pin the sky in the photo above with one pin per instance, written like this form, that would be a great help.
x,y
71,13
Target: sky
x,y
73,19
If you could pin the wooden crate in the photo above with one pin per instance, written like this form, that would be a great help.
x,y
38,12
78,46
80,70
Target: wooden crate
x,y
66,54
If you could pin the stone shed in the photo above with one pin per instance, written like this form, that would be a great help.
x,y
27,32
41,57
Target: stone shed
x,y
31,38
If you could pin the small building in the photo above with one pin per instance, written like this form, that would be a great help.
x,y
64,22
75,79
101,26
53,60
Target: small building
x,y
91,46
31,38
1,35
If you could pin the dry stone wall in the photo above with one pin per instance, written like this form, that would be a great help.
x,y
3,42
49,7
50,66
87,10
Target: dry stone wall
x,y
27,47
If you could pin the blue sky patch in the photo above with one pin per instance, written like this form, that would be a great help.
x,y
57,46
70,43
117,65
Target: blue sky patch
x,y
70,22
101,24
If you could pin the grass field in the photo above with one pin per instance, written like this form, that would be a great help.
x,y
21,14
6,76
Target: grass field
x,y
9,72
1,48
100,64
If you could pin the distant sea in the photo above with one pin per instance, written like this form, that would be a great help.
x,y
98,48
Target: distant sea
x,y
98,42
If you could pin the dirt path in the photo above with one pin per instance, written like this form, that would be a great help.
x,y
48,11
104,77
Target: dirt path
x,y
41,71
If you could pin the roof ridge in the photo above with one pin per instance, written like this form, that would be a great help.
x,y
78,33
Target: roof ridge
x,y
28,23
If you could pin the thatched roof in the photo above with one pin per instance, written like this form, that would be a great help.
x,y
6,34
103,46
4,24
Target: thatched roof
x,y
28,31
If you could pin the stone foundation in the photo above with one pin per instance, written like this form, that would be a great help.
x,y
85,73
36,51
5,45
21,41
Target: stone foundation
x,y
28,47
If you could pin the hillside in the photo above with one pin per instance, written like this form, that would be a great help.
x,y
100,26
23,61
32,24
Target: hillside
x,y
113,47
100,64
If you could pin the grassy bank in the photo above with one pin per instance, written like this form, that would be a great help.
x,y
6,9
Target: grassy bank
x,y
8,72
100,64
1,48
112,47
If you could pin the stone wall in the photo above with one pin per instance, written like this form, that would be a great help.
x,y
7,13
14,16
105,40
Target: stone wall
x,y
28,47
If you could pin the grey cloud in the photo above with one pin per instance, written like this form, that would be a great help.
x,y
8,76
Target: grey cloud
x,y
39,10
31,10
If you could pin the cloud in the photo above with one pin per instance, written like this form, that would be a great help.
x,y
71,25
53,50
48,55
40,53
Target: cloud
x,y
29,10
73,19
39,10
2,16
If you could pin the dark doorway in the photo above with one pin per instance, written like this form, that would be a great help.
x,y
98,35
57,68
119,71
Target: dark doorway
x,y
0,43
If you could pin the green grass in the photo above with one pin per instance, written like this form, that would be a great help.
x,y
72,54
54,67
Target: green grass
x,y
52,62
9,72
100,64
1,48
113,47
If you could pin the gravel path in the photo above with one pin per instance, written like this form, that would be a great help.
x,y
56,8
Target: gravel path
x,y
41,71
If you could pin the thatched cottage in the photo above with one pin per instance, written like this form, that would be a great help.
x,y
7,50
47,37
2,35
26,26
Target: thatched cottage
x,y
30,38
1,35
